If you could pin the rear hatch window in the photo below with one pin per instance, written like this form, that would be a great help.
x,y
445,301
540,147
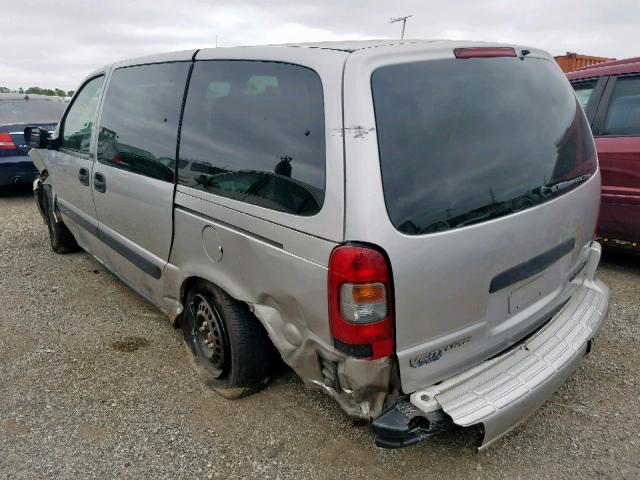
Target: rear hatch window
x,y
30,111
463,141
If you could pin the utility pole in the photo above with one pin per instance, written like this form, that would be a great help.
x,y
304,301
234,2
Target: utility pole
x,y
404,22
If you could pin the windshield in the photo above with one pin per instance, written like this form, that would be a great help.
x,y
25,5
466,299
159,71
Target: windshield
x,y
464,141
30,111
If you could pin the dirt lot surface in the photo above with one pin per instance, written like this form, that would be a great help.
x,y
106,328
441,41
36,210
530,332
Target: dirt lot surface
x,y
94,383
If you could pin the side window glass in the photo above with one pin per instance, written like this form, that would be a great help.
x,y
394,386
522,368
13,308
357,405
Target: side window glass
x,y
623,117
76,131
254,131
138,127
583,92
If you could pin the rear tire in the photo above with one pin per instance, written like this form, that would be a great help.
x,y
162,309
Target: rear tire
x,y
226,345
62,240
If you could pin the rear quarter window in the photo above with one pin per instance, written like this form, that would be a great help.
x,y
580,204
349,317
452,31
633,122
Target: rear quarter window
x,y
254,131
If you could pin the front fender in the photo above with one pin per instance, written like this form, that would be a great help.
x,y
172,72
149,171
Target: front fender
x,y
39,158
38,194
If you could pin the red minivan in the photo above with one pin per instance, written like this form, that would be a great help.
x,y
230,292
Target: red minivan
x,y
610,95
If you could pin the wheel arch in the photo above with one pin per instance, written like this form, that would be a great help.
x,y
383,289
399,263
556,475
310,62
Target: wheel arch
x,y
237,294
191,280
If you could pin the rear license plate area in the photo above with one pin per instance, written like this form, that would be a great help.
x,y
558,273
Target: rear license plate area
x,y
527,294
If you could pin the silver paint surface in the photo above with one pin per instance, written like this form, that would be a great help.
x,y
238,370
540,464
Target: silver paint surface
x,y
503,391
441,280
277,262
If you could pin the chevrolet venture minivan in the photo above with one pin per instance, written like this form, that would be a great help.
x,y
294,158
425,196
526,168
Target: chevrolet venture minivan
x,y
407,224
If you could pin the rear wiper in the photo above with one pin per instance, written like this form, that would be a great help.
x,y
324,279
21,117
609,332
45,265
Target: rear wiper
x,y
552,188
487,213
493,210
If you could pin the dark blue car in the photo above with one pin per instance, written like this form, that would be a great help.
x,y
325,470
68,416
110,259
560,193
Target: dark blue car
x,y
18,111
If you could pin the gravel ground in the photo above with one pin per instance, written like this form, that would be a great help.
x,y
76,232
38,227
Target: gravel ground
x,y
94,383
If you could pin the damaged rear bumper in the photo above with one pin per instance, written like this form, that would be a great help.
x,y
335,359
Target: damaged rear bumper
x,y
500,393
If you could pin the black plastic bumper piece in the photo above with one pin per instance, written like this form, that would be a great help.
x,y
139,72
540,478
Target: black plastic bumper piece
x,y
38,193
404,424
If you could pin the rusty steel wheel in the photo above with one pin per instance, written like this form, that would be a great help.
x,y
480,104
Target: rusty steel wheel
x,y
225,342
209,335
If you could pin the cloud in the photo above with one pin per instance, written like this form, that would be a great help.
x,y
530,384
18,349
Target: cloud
x,y
55,44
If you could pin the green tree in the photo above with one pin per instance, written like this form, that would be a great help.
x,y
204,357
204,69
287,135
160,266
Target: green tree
x,y
20,90
70,93
57,92
5,90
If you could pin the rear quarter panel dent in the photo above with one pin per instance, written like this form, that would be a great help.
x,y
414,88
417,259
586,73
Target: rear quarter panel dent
x,y
255,272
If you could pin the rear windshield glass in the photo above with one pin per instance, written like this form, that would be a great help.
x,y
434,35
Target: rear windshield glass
x,y
464,141
30,111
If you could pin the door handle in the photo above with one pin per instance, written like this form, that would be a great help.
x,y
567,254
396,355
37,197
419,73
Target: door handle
x,y
99,182
83,176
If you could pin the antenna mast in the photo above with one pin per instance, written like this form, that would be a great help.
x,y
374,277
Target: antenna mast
x,y
404,22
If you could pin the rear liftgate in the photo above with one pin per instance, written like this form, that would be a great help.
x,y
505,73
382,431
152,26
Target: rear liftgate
x,y
500,393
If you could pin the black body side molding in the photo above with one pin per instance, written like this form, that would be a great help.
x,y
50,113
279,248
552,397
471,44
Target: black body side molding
x,y
132,256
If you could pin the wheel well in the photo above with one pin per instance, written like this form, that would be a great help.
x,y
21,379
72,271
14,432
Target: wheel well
x,y
190,281
184,288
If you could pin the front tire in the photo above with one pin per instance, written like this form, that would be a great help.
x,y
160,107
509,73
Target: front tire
x,y
61,238
226,345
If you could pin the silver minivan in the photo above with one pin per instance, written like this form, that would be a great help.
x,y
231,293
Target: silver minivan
x,y
407,224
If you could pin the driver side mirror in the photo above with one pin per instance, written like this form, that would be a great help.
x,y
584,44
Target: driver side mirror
x,y
37,137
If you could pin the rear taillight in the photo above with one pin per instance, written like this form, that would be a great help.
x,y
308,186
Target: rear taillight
x,y
6,142
360,302
484,52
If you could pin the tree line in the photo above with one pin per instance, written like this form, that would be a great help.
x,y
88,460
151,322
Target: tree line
x,y
51,92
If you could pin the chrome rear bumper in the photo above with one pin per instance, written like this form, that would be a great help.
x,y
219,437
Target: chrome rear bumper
x,y
503,391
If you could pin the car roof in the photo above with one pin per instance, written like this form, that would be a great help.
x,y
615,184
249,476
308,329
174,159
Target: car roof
x,y
613,67
32,96
354,45
346,46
